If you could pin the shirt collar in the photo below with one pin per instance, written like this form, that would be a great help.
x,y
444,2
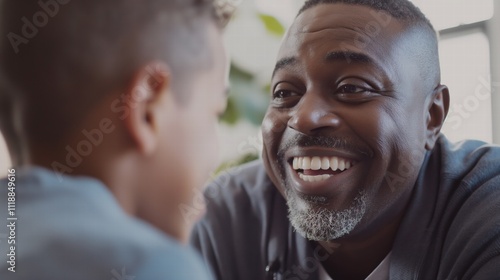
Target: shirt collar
x,y
381,272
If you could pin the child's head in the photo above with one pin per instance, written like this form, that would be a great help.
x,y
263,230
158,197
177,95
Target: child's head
x,y
123,90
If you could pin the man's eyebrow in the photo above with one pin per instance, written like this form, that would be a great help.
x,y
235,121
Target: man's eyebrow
x,y
284,62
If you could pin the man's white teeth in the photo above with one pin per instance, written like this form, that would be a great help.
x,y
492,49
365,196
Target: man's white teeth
x,y
316,178
324,163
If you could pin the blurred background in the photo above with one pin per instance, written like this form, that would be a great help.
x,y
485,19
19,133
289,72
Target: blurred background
x,y
469,34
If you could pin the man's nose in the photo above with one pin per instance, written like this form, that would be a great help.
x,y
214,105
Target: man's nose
x,y
314,113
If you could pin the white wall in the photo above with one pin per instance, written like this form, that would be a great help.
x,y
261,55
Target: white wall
x,y
494,34
467,75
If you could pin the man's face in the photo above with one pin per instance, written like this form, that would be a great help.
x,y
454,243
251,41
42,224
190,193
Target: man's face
x,y
189,150
344,135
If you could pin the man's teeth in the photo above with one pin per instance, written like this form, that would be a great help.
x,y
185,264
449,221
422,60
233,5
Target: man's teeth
x,y
315,178
324,163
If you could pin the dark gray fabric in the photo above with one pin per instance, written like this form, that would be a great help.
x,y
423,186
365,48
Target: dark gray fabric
x,y
451,229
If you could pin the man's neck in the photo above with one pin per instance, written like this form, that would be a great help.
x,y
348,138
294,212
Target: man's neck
x,y
356,257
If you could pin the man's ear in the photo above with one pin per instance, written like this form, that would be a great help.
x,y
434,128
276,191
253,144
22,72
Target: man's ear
x,y
439,104
149,88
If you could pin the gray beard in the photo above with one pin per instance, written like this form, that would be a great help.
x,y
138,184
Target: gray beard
x,y
321,224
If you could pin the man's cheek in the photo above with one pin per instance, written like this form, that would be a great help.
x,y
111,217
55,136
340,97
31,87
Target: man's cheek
x,y
272,133
274,123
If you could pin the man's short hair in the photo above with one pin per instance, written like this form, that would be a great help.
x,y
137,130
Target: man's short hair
x,y
59,57
400,9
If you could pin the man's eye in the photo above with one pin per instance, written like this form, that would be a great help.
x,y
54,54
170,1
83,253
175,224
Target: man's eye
x,y
355,94
351,89
283,98
282,94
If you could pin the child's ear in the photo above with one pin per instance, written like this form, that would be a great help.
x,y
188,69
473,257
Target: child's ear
x,y
150,87
436,114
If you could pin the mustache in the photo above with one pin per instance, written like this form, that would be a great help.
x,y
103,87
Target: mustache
x,y
341,143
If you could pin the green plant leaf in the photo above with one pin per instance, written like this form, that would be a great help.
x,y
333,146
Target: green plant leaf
x,y
236,72
272,25
232,114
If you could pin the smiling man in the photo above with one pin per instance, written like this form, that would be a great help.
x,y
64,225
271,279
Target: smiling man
x,y
356,181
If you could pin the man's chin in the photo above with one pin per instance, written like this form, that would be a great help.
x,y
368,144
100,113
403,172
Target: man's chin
x,y
314,221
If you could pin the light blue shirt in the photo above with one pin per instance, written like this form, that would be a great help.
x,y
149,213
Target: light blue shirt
x,y
74,229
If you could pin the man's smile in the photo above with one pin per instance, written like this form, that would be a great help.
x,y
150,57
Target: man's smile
x,y
321,171
315,169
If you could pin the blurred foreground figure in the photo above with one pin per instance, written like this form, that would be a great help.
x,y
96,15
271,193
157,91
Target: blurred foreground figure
x,y
109,109
356,181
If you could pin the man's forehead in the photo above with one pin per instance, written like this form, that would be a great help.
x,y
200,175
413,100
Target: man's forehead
x,y
367,22
329,28
324,16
